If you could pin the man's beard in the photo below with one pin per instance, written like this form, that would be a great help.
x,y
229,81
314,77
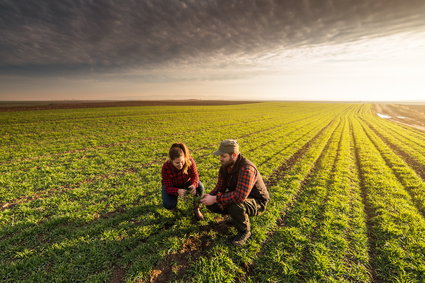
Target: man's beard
x,y
229,163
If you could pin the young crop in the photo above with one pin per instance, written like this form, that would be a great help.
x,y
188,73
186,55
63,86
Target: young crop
x,y
396,226
80,195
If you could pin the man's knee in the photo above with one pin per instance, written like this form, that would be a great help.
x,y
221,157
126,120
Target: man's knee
x,y
216,208
239,217
210,208
236,209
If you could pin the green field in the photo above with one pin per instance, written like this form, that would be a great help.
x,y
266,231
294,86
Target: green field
x,y
80,195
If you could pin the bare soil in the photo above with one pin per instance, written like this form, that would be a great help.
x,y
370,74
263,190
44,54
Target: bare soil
x,y
173,266
410,115
118,274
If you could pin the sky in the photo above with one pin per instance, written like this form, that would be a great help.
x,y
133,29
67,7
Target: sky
x,y
348,50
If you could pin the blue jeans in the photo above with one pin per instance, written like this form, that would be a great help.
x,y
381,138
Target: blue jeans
x,y
170,201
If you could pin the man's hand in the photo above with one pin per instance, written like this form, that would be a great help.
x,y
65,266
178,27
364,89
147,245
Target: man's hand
x,y
209,199
192,189
181,192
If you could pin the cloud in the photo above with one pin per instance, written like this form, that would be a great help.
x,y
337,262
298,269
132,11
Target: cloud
x,y
46,38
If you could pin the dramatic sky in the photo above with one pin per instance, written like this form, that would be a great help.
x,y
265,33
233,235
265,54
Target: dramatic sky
x,y
212,49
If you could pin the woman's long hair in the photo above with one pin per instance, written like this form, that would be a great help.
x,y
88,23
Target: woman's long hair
x,y
180,149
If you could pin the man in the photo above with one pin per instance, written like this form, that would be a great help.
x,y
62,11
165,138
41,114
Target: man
x,y
240,191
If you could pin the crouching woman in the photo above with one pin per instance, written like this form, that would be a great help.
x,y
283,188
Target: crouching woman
x,y
180,177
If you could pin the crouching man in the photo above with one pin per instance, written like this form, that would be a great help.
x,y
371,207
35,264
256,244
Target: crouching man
x,y
240,191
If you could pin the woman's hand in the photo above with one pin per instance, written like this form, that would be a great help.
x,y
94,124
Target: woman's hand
x,y
192,189
181,192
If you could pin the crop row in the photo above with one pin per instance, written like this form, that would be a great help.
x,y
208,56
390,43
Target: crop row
x,y
100,216
288,150
404,133
67,223
128,131
229,262
410,149
323,237
396,227
407,177
347,239
73,168
87,184
64,136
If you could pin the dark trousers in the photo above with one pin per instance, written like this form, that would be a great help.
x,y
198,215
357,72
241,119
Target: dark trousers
x,y
240,212
170,201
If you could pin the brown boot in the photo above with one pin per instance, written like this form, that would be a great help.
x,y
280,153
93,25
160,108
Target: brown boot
x,y
198,214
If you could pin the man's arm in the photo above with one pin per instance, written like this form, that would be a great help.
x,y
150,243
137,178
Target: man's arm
x,y
246,180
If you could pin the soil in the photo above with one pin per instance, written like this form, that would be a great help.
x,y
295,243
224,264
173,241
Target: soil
x,y
172,267
410,115
118,274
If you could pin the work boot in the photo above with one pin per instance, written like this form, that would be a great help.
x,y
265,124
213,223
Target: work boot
x,y
241,238
198,214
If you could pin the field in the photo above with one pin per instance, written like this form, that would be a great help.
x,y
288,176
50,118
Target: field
x,y
80,195
412,115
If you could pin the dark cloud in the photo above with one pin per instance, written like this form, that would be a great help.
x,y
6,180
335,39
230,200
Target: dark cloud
x,y
49,37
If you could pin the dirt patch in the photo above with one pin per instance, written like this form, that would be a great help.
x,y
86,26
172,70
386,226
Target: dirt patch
x,y
409,115
118,274
172,266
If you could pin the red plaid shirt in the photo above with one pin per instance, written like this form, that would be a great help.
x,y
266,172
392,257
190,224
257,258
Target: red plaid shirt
x,y
246,180
174,179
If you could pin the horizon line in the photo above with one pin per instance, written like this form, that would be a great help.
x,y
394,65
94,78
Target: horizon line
x,y
206,100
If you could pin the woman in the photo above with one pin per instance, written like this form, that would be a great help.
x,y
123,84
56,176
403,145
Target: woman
x,y
180,177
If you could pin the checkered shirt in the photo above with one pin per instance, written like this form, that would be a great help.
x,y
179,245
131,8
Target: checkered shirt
x,y
174,179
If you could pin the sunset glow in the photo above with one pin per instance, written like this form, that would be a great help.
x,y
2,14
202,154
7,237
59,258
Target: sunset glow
x,y
368,55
